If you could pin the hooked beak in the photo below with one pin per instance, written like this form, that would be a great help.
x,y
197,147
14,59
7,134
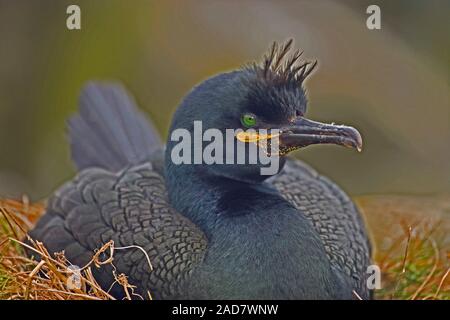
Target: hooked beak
x,y
304,132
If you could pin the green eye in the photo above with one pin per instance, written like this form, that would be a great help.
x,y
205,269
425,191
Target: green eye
x,y
248,120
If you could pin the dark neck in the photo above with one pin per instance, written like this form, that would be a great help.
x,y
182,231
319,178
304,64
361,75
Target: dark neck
x,y
204,199
211,202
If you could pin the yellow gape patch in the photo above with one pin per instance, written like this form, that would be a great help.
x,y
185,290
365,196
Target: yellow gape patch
x,y
254,136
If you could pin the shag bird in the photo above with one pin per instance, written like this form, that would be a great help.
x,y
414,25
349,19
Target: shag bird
x,y
211,231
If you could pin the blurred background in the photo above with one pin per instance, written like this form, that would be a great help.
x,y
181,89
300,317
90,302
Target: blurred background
x,y
392,84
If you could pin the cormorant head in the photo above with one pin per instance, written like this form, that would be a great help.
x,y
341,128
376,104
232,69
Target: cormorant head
x,y
266,105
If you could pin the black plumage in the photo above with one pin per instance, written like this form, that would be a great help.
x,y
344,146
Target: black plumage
x,y
211,231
